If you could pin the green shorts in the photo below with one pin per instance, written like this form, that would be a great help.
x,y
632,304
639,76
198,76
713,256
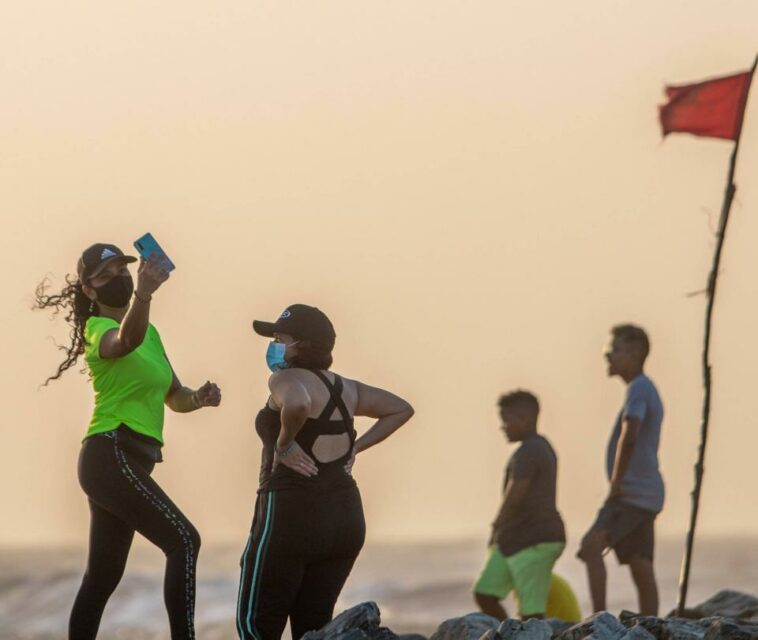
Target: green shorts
x,y
528,572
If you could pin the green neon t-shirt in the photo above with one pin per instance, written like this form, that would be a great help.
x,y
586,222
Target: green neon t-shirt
x,y
130,389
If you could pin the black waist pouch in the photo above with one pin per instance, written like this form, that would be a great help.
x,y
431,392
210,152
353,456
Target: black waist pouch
x,y
139,445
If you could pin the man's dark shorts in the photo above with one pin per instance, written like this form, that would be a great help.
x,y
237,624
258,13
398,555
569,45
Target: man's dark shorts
x,y
630,530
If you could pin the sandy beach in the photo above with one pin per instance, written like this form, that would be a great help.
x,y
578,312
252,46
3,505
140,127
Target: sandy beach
x,y
415,585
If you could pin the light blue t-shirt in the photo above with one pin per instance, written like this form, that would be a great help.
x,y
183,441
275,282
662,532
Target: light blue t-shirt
x,y
642,484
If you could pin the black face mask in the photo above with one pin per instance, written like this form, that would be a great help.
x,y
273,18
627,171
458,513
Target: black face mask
x,y
116,292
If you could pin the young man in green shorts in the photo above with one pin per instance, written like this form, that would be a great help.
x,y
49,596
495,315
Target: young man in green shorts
x,y
528,534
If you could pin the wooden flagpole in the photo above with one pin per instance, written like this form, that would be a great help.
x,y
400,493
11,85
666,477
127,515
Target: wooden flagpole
x,y
731,188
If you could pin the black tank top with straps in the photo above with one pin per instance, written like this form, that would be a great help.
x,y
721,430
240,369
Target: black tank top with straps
x,y
330,474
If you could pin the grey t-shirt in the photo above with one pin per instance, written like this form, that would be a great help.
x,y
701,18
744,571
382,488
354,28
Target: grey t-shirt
x,y
537,519
642,484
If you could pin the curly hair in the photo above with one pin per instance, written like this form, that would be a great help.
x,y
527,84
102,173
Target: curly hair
x,y
78,308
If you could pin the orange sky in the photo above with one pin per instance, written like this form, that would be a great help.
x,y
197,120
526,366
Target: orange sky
x,y
474,192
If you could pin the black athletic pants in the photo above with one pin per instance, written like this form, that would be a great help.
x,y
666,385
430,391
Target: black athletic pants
x,y
123,498
301,548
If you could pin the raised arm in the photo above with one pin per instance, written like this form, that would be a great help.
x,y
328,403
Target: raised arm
x,y
391,413
122,341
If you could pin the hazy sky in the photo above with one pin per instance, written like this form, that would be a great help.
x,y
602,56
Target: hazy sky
x,y
473,191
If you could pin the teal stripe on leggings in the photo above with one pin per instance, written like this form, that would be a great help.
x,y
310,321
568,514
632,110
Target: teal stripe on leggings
x,y
264,536
242,580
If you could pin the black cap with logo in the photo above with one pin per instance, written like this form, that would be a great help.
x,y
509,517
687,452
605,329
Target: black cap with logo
x,y
300,321
94,259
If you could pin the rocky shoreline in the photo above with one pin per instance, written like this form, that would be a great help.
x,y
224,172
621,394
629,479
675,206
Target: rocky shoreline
x,y
729,615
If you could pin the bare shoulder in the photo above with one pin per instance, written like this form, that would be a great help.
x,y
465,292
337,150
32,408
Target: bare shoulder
x,y
285,377
288,389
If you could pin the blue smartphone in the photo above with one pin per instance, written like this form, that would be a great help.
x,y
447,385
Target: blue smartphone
x,y
147,246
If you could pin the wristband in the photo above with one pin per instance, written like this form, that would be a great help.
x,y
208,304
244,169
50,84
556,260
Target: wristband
x,y
141,299
283,453
196,400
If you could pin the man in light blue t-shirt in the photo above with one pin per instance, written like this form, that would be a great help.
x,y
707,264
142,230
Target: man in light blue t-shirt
x,y
625,522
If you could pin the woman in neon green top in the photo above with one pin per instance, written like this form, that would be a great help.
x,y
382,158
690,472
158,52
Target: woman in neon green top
x,y
133,379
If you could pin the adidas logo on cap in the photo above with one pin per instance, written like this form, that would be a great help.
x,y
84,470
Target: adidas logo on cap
x,y
107,253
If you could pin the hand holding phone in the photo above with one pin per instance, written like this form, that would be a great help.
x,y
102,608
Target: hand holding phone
x,y
146,246
154,268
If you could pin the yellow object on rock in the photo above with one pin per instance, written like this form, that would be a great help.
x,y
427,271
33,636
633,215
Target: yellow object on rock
x,y
561,601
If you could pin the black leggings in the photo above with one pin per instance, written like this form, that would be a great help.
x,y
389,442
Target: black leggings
x,y
124,498
301,549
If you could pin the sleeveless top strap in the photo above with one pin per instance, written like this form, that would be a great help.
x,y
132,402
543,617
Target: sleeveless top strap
x,y
331,405
335,392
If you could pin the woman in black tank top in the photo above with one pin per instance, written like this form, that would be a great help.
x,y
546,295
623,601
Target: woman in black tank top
x,y
308,526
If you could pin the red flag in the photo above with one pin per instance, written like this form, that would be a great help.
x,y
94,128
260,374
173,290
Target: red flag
x,y
712,108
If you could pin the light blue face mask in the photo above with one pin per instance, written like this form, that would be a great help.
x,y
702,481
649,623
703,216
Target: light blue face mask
x,y
275,356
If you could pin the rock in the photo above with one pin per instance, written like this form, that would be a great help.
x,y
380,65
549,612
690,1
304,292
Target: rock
x,y
690,614
666,628
729,615
347,634
507,629
731,629
361,622
469,627
558,626
534,629
654,626
511,629
490,634
714,628
721,629
638,632
728,604
601,626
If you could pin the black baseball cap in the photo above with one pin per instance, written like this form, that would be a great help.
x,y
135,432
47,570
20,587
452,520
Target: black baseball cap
x,y
94,258
300,321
